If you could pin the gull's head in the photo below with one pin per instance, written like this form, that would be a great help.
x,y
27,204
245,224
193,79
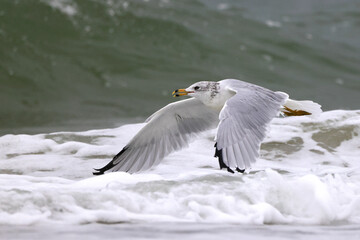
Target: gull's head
x,y
204,91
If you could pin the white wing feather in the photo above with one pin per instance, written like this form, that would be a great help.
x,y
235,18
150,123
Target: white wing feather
x,y
167,130
243,122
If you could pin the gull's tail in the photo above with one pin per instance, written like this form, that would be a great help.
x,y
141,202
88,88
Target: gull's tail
x,y
300,108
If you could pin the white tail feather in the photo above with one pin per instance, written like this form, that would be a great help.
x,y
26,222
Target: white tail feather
x,y
305,105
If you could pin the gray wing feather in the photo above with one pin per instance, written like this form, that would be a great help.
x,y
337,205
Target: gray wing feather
x,y
243,122
167,130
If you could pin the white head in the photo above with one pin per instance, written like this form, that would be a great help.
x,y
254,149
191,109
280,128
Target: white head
x,y
207,92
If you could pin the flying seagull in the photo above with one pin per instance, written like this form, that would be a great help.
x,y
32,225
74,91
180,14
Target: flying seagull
x,y
241,112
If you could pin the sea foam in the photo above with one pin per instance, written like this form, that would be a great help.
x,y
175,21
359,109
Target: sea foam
x,y
308,173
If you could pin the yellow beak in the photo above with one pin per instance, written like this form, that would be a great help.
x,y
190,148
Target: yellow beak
x,y
180,92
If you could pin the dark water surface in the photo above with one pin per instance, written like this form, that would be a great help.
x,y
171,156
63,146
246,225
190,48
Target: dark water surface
x,y
83,64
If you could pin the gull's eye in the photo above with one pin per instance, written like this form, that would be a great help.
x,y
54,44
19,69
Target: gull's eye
x,y
196,88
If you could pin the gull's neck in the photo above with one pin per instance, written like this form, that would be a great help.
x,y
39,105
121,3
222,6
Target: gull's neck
x,y
217,96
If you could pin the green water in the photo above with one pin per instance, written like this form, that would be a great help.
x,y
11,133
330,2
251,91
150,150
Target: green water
x,y
84,64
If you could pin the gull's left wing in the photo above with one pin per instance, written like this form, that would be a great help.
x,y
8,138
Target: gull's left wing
x,y
243,122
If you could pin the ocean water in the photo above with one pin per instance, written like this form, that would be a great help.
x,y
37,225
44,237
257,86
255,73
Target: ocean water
x,y
77,64
78,78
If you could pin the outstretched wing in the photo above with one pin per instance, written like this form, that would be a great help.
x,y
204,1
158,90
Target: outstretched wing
x,y
243,122
167,130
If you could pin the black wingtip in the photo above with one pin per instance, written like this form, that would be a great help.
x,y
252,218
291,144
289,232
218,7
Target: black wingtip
x,y
111,164
99,172
230,170
240,170
219,155
102,170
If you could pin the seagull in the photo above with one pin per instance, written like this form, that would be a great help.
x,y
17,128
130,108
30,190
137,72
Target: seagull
x,y
240,111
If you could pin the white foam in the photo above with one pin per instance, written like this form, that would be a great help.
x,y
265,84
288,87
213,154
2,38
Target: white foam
x,y
67,7
273,24
308,173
